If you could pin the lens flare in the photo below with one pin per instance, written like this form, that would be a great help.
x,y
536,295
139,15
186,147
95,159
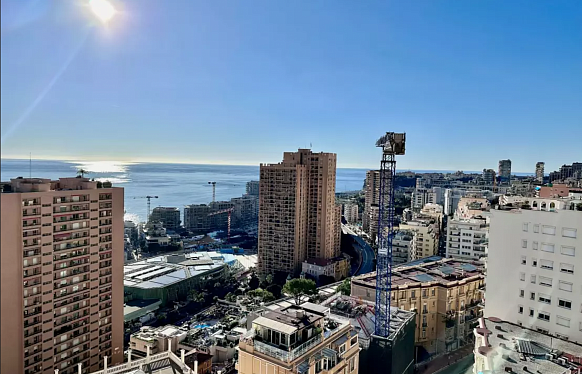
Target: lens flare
x,y
102,9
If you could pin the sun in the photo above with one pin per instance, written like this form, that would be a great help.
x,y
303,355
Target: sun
x,y
102,9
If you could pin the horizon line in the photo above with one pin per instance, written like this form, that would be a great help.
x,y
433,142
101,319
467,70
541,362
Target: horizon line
x,y
443,171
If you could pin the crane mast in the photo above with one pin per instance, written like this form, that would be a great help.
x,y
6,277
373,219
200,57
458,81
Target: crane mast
x,y
392,144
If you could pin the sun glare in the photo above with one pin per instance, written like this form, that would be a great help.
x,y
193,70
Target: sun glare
x,y
102,9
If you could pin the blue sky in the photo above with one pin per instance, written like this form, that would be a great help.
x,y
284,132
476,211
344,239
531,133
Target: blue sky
x,y
239,82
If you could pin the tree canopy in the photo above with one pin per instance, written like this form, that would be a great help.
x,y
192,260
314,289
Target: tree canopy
x,y
298,288
345,288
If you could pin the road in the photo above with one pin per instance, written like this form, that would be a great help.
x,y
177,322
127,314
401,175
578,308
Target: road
x,y
366,252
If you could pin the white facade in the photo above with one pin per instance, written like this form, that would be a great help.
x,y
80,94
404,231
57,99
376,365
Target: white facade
x,y
467,239
402,247
534,270
452,198
351,213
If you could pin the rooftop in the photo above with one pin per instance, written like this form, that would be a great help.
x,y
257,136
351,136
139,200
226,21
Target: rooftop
x,y
361,315
433,270
162,271
518,348
291,318
29,185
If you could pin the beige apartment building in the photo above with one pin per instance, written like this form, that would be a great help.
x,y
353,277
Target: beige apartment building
x,y
302,339
62,275
370,214
425,242
445,294
298,216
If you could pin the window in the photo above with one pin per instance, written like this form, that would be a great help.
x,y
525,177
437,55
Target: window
x,y
520,311
544,316
567,268
549,230
563,321
524,243
548,247
536,228
534,262
532,295
546,299
533,279
568,233
352,364
545,281
531,312
524,226
568,251
564,304
521,276
547,264
566,286
523,260
535,246
521,293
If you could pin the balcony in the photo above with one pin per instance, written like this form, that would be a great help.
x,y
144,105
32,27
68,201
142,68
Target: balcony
x,y
105,196
70,217
63,293
76,244
30,223
71,300
71,236
71,208
69,327
30,242
71,263
31,272
286,355
32,332
70,199
31,212
62,320
69,255
71,227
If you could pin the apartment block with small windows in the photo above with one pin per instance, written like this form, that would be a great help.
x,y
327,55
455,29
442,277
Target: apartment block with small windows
x,y
298,216
468,239
304,339
534,268
168,216
445,294
62,275
371,201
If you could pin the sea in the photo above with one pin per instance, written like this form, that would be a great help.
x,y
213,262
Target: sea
x,y
175,185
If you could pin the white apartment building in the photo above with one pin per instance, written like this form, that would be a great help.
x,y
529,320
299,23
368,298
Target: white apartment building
x,y
467,239
534,268
351,213
402,247
452,198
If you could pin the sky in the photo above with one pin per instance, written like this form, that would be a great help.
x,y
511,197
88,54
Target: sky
x,y
240,82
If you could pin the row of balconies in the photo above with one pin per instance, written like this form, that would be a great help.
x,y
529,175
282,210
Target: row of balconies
x,y
75,244
30,212
70,318
105,196
70,199
71,300
31,252
70,327
63,347
65,337
71,217
70,227
30,242
70,291
72,254
71,208
63,311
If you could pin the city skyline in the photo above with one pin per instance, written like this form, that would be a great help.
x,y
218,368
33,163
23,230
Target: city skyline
x,y
212,78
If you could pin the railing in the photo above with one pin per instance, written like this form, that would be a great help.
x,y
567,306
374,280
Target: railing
x,y
289,355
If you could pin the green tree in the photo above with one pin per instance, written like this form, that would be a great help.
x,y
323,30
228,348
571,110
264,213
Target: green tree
x,y
275,289
259,293
269,279
81,172
298,288
254,281
345,288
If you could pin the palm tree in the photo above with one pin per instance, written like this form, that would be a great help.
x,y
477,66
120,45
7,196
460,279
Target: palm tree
x,y
81,172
